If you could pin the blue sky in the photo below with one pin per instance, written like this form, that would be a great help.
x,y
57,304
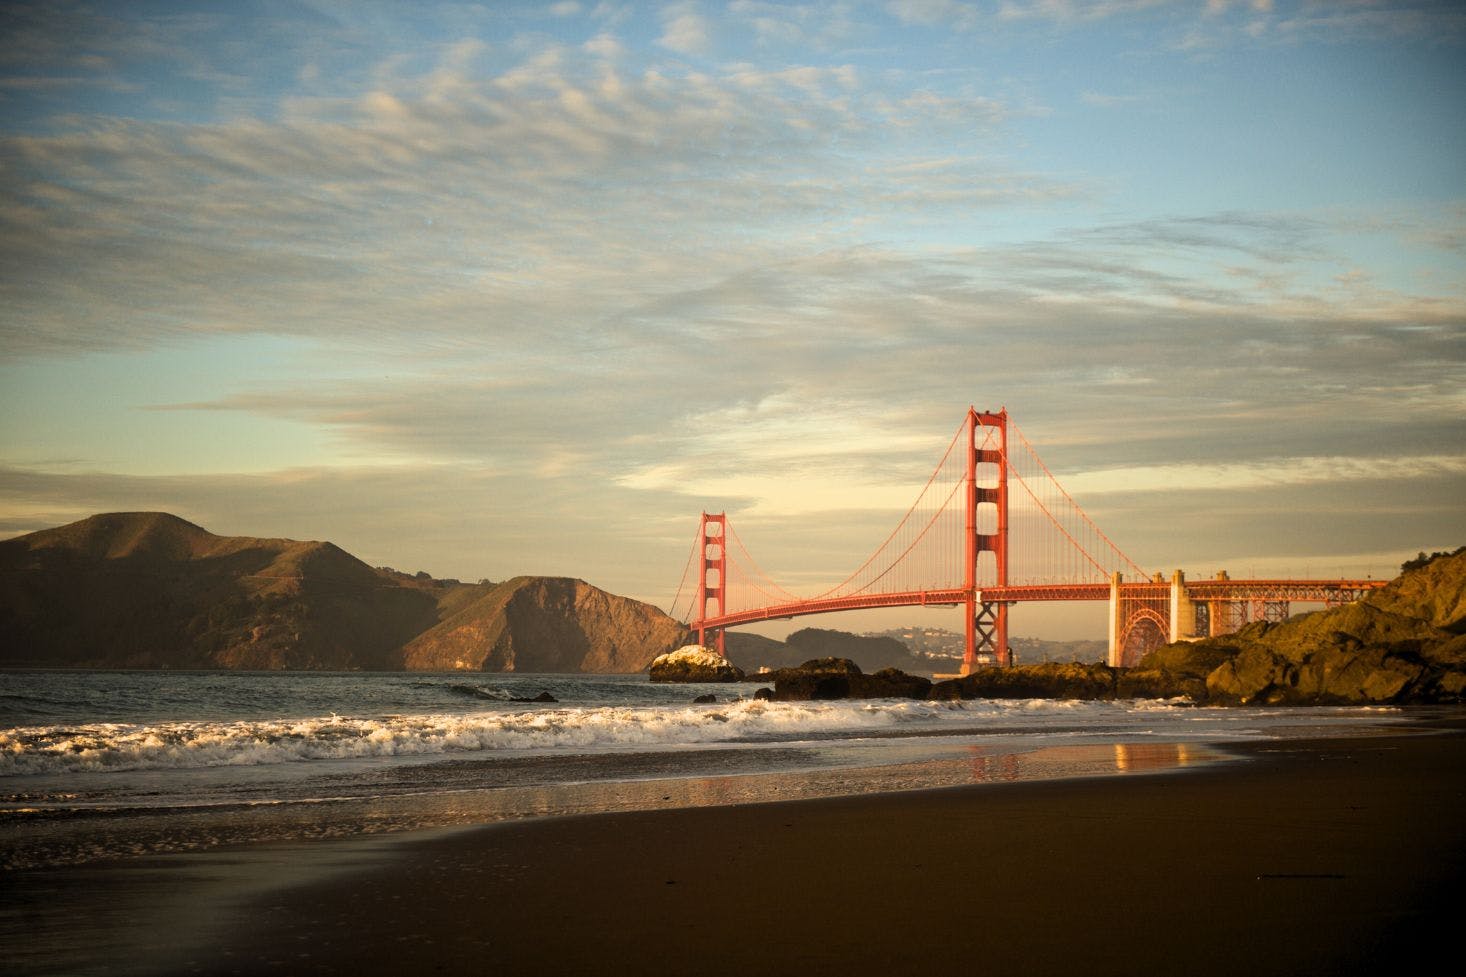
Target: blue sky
x,y
521,288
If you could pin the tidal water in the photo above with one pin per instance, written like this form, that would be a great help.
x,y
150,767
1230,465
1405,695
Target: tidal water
x,y
100,765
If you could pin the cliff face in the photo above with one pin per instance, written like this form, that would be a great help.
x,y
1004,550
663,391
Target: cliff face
x,y
547,624
150,590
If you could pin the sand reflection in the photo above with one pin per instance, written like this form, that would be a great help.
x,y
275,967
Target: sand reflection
x,y
989,765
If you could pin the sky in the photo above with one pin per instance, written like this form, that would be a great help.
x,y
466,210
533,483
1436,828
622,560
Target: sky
x,y
504,288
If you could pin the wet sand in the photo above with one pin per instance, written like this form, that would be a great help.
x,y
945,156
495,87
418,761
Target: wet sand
x,y
1316,857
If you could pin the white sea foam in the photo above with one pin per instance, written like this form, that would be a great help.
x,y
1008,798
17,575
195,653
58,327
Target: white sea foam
x,y
174,745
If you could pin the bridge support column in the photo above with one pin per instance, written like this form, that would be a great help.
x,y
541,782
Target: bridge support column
x,y
1117,624
714,533
987,624
1216,612
990,634
1183,611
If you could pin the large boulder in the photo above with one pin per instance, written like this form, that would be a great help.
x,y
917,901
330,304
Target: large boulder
x,y
818,678
1345,672
1048,680
694,663
1171,671
841,678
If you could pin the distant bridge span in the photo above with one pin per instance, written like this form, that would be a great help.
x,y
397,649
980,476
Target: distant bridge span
x,y
956,546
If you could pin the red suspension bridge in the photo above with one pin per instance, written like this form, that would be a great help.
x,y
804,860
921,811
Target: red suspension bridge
x,y
992,527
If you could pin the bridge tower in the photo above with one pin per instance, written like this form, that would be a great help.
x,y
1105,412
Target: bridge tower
x,y
714,533
987,621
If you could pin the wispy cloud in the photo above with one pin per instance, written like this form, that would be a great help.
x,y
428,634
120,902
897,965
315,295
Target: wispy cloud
x,y
1271,473
685,30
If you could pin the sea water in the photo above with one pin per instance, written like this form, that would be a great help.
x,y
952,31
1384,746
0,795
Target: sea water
x,y
96,765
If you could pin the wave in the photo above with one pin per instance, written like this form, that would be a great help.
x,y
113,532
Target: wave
x,y
119,746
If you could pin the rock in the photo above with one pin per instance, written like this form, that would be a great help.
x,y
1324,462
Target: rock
x,y
1345,673
892,683
1047,680
1434,593
830,666
841,678
542,697
792,685
694,663
1139,683
705,699
1255,675
764,695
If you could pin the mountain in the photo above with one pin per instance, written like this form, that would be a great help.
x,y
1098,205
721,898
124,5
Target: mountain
x,y
151,590
148,589
547,624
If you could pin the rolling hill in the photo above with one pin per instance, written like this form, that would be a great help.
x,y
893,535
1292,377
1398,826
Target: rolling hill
x,y
151,590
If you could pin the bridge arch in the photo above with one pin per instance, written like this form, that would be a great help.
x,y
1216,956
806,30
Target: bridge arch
x,y
1145,630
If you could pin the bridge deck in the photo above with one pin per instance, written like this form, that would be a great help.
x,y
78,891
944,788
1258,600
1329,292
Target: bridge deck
x,y
1314,591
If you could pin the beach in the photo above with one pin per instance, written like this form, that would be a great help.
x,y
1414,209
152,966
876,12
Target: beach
x,y
1307,856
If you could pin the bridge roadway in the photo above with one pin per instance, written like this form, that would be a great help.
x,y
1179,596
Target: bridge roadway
x,y
1307,591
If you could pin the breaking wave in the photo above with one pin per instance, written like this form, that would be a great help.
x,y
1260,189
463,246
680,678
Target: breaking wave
x,y
175,745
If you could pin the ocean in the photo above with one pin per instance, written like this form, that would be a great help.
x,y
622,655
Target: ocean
x,y
101,765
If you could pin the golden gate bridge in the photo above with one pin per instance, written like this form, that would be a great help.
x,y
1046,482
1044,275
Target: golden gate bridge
x,y
992,527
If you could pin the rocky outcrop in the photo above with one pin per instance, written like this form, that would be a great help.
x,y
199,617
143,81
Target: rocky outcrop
x,y
1403,643
1049,680
694,663
547,624
840,678
1170,672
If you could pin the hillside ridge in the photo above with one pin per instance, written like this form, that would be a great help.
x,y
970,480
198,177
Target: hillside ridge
x,y
153,590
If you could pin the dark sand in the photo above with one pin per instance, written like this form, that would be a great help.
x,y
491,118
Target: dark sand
x,y
1317,857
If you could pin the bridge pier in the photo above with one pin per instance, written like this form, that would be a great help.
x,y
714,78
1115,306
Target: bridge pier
x,y
987,626
714,587
1112,657
1183,610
